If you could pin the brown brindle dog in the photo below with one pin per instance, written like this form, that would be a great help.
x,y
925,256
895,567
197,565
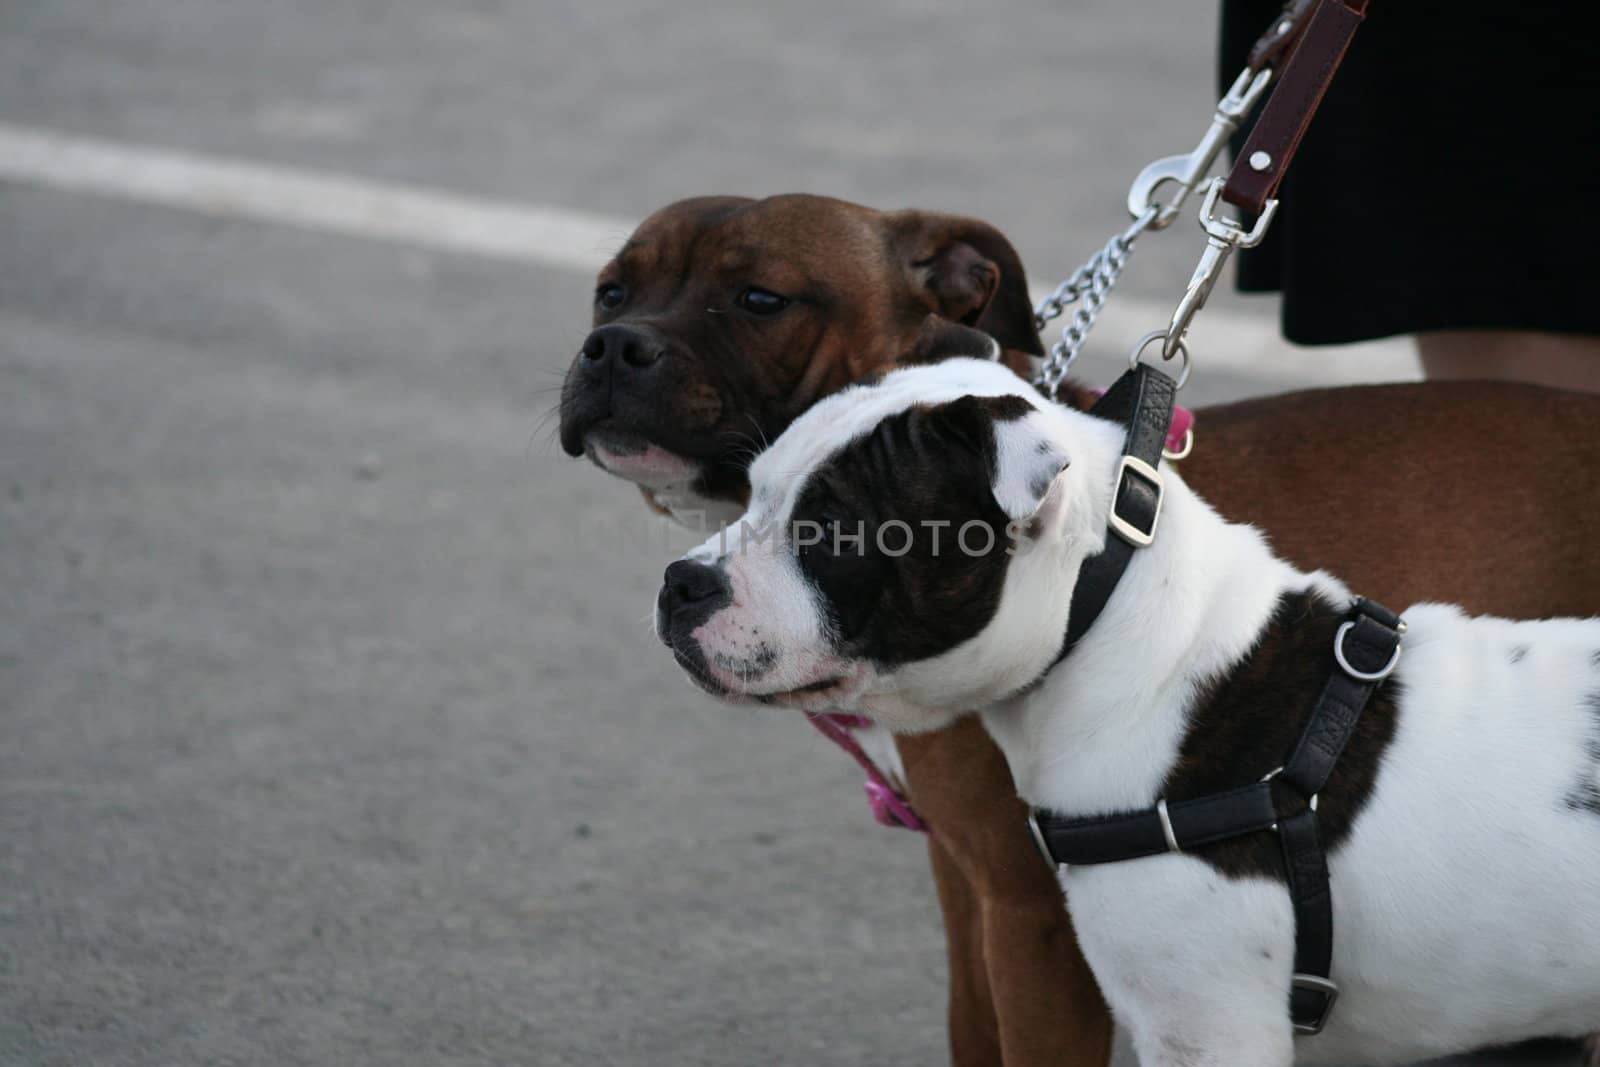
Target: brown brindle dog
x,y
724,318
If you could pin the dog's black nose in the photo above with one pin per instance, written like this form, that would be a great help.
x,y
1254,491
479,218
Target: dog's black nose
x,y
624,345
688,583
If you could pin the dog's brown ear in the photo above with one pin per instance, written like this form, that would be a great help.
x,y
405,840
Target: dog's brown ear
x,y
940,339
968,272
1076,395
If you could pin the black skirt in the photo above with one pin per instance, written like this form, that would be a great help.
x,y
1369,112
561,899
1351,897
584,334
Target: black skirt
x,y
1449,180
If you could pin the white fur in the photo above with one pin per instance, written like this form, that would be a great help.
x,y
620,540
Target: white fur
x,y
1467,896
1027,458
668,479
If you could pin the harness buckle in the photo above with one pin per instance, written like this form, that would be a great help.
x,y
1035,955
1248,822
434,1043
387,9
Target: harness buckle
x,y
1166,826
1124,527
1039,841
1323,987
1344,663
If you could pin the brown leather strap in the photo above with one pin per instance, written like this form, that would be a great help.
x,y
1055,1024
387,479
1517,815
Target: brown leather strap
x,y
1301,82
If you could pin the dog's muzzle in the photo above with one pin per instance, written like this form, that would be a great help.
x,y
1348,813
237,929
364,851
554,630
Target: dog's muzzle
x,y
614,381
690,594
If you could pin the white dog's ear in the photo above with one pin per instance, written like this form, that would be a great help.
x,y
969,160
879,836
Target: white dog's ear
x,y
1025,462
1029,466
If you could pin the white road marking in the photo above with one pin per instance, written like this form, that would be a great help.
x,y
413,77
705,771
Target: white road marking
x,y
335,203
555,237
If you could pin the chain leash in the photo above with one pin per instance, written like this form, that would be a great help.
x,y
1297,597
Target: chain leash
x,y
1092,283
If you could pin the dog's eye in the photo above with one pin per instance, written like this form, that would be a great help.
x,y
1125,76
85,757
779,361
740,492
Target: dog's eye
x,y
761,301
610,297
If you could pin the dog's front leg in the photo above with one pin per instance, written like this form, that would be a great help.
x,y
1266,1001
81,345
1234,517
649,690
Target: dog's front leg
x,y
973,1029
1049,1006
1194,964
1015,968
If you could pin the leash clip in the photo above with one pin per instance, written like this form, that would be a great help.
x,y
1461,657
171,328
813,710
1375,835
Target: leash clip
x,y
1188,171
1223,235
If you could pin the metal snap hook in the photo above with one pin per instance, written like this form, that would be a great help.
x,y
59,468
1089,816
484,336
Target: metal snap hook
x,y
1190,169
1142,193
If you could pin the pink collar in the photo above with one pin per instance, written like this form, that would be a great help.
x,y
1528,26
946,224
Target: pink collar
x,y
888,806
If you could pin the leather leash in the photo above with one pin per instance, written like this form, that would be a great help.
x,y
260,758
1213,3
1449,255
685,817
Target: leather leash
x,y
1300,52
1366,649
1315,34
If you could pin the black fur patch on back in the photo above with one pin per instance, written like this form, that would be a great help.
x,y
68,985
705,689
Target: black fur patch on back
x,y
920,466
1246,723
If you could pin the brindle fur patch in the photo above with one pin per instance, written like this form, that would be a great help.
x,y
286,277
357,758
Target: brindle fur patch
x,y
1246,723
924,466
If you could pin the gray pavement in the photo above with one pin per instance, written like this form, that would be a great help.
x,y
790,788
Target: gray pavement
x,y
331,726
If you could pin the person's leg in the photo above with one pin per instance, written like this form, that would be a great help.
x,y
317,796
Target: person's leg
x,y
1566,361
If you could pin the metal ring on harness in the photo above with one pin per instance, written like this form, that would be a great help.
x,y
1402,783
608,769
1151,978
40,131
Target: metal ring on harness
x,y
1160,335
1363,676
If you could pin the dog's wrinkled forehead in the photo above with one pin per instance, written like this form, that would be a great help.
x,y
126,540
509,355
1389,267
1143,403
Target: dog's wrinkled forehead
x,y
778,474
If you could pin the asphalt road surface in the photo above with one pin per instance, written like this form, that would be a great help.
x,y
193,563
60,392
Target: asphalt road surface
x,y
331,726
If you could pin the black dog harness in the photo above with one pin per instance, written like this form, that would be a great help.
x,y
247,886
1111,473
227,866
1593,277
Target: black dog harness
x,y
1365,651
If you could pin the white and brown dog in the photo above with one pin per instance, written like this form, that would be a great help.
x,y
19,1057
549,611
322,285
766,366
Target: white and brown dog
x,y
910,552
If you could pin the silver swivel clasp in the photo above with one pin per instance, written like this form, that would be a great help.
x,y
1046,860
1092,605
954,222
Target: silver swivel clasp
x,y
1188,171
1223,235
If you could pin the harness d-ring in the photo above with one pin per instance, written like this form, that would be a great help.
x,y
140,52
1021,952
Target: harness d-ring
x,y
1180,349
1364,676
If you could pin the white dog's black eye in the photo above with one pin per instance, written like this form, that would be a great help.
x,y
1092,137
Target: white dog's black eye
x,y
610,297
761,301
